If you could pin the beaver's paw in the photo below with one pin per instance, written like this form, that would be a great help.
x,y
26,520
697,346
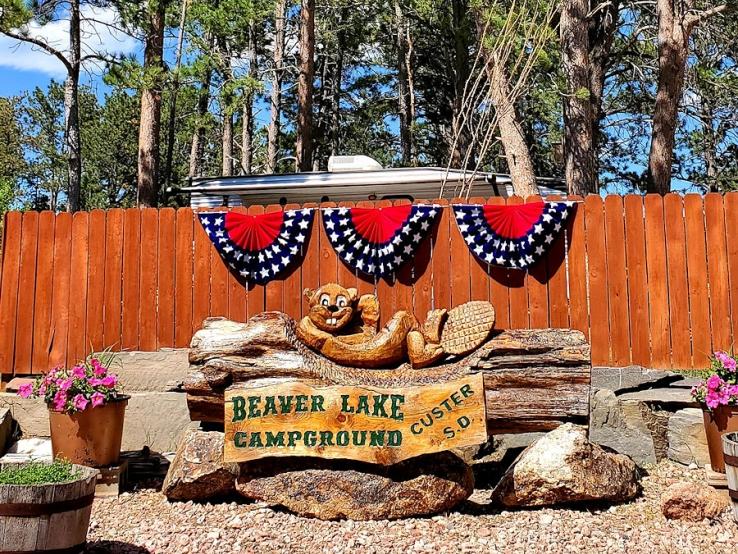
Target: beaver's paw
x,y
434,321
420,352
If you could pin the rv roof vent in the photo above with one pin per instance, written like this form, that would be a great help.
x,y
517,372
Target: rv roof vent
x,y
337,164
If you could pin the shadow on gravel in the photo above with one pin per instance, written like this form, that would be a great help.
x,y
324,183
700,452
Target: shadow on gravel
x,y
115,547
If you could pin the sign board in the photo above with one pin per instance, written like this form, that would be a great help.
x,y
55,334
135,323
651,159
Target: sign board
x,y
369,424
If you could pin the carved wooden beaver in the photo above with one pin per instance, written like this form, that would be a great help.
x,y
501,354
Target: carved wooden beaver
x,y
344,328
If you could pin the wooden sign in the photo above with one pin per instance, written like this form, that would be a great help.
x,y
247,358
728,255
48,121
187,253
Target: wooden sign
x,y
369,424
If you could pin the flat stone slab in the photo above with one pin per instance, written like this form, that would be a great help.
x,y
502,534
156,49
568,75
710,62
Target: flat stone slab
x,y
27,450
667,396
619,379
338,489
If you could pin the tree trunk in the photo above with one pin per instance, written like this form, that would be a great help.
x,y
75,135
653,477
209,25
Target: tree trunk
x,y
511,132
602,26
197,150
676,23
461,139
171,119
247,134
403,88
71,112
227,142
304,144
673,49
276,96
578,142
148,134
336,90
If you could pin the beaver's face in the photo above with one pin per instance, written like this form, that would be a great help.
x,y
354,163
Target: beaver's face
x,y
331,307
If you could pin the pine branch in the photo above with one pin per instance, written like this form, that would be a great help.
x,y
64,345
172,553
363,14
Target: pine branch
x,y
41,44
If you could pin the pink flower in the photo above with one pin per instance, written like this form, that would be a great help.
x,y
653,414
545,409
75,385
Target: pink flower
x,y
712,400
64,384
26,390
80,402
60,400
98,367
78,372
730,365
110,381
98,399
95,382
714,382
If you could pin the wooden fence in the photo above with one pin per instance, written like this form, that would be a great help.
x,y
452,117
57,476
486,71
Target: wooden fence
x,y
650,280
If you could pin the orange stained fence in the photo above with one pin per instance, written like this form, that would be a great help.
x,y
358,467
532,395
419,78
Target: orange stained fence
x,y
650,280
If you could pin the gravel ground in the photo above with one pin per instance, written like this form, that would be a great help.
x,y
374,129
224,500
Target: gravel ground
x,y
145,522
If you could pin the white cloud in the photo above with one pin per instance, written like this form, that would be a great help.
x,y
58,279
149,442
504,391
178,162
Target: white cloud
x,y
99,34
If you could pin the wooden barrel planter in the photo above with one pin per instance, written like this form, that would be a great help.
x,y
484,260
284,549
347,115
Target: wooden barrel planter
x,y
730,454
47,518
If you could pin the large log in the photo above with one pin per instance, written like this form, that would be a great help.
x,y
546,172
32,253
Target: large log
x,y
535,379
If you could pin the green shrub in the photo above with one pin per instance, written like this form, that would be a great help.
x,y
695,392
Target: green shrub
x,y
38,473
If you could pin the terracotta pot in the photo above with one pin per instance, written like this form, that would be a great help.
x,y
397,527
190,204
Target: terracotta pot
x,y
718,422
91,437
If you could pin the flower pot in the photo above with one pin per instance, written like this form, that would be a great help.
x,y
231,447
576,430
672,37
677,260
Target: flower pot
x,y
91,437
730,452
53,517
719,421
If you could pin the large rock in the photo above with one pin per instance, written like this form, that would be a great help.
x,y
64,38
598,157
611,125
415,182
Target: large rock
x,y
197,471
564,467
687,440
692,502
623,426
336,489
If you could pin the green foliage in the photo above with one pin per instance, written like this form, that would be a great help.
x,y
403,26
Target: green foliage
x,y
39,473
14,14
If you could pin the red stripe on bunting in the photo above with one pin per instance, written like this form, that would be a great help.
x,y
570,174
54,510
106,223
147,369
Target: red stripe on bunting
x,y
253,232
513,222
378,225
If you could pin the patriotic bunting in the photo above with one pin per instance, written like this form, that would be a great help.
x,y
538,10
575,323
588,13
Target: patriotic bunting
x,y
258,247
514,236
377,241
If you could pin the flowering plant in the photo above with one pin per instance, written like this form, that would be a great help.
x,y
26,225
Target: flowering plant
x,y
720,388
87,385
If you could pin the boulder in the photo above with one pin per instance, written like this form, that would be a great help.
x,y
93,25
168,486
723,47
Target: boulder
x,y
692,502
337,489
687,440
564,467
197,471
622,426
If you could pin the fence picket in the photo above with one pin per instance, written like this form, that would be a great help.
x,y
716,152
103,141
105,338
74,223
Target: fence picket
x,y
76,347
60,301
717,272
657,281
112,311
731,213
165,278
149,270
95,318
676,260
597,269
699,303
638,286
44,292
26,289
186,288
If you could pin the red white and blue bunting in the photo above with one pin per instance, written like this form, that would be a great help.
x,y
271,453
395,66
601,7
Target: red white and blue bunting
x,y
377,241
514,236
258,247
